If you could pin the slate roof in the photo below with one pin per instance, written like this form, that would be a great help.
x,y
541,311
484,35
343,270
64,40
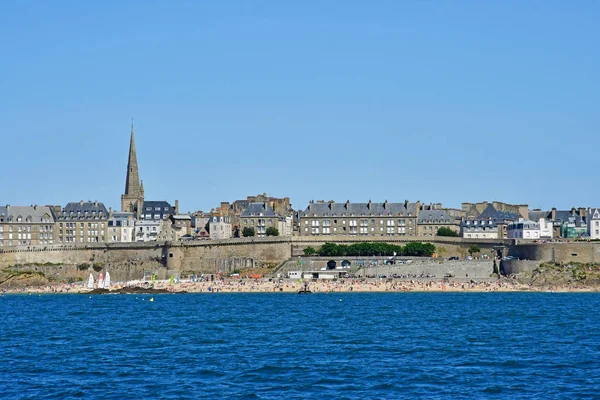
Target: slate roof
x,y
259,209
567,216
161,209
359,209
35,212
440,216
83,210
491,213
537,215
119,217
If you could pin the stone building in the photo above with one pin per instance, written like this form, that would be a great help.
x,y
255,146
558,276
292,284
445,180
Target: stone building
x,y
361,219
26,226
133,198
474,209
489,222
121,227
281,206
82,222
174,227
219,228
480,229
429,221
260,217
565,223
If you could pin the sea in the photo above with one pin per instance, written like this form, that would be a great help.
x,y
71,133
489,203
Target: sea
x,y
290,346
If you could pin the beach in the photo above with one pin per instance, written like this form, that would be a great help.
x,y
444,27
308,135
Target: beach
x,y
315,286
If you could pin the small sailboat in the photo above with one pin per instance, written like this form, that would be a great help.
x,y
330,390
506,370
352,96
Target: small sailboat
x,y
90,284
101,281
107,280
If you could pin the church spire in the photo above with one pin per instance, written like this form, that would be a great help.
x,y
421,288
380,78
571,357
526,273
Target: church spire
x,y
132,182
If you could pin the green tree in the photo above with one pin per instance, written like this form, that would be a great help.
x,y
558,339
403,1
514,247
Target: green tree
x,y
474,249
271,231
418,249
329,250
248,231
445,231
309,251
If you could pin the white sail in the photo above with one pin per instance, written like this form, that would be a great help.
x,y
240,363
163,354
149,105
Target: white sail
x,y
107,280
101,281
90,284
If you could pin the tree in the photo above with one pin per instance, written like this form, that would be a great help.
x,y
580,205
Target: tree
x,y
309,251
271,231
445,231
474,249
248,231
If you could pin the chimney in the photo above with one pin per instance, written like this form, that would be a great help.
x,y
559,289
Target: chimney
x,y
80,202
582,212
385,204
331,204
35,207
347,204
553,214
57,209
370,204
573,211
176,206
95,203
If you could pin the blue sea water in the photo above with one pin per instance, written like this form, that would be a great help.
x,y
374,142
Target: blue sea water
x,y
273,346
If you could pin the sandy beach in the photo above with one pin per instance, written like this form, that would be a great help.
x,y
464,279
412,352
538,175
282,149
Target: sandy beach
x,y
320,286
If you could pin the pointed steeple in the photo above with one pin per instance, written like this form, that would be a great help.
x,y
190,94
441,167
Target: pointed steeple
x,y
133,198
132,182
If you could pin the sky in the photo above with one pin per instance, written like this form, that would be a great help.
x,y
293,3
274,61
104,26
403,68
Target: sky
x,y
436,101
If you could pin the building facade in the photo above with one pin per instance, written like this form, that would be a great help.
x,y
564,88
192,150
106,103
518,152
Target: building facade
x,y
174,227
133,198
359,219
260,217
121,227
593,223
429,221
524,229
479,229
147,230
82,222
26,226
219,228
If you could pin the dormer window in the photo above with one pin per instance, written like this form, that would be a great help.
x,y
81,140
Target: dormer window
x,y
19,218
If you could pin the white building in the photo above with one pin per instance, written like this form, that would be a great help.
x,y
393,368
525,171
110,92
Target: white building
x,y
147,230
546,228
219,228
285,226
593,223
523,229
121,226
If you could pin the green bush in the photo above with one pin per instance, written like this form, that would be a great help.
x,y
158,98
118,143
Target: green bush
x,y
247,232
376,249
271,231
444,231
309,251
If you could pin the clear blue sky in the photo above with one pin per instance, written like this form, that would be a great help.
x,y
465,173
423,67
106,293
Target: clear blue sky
x,y
426,100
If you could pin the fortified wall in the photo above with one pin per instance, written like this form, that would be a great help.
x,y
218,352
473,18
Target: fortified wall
x,y
128,261
559,252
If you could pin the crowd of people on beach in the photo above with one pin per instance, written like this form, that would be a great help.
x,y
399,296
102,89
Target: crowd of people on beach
x,y
267,285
